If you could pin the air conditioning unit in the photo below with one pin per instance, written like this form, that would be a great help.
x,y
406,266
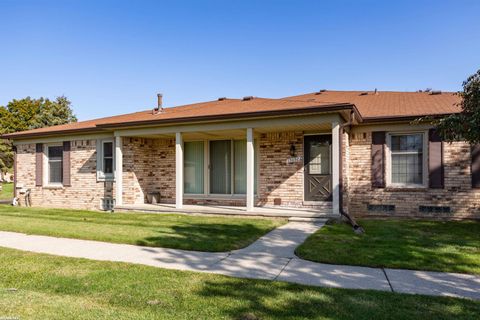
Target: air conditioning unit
x,y
108,204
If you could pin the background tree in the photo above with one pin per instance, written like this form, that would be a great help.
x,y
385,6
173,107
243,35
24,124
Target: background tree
x,y
28,113
465,125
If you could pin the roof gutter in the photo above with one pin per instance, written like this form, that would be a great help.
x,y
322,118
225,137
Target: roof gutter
x,y
48,134
112,126
335,107
404,118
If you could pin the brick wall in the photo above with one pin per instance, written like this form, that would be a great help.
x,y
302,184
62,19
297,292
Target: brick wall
x,y
457,193
278,180
148,167
85,192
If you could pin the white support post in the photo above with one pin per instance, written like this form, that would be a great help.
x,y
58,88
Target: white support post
x,y
250,171
118,171
336,167
178,170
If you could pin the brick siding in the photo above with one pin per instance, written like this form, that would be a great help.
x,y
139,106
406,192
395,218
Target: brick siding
x,y
457,193
85,192
149,166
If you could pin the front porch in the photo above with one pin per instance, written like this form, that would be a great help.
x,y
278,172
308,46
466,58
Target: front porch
x,y
264,211
246,167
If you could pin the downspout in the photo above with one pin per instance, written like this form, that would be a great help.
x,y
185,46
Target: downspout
x,y
357,228
15,172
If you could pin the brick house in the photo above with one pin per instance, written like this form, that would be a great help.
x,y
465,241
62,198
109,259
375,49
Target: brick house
x,y
320,152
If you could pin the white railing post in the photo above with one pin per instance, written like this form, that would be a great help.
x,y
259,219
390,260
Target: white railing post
x,y
118,171
336,167
178,170
250,170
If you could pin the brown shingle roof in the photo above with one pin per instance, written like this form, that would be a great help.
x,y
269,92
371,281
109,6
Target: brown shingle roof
x,y
370,106
389,104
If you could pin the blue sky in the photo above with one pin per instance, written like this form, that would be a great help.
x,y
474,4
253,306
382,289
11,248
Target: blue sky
x,y
112,57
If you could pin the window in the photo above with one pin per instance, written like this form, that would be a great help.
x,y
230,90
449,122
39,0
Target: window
x,y
55,164
319,158
108,158
105,159
240,167
220,167
226,173
194,167
407,159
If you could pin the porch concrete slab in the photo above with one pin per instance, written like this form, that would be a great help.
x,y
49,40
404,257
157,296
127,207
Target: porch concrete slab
x,y
97,250
253,266
435,283
336,276
283,241
264,211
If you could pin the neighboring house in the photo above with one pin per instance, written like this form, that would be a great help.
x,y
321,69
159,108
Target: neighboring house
x,y
354,150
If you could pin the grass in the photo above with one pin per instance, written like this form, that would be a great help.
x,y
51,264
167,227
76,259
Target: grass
x,y
38,286
200,233
7,191
448,246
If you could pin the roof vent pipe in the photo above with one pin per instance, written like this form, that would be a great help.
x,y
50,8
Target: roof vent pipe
x,y
159,102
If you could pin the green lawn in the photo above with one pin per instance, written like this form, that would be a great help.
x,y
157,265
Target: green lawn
x,y
201,233
7,191
452,246
38,286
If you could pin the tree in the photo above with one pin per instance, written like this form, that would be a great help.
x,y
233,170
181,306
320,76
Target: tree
x,y
466,124
28,113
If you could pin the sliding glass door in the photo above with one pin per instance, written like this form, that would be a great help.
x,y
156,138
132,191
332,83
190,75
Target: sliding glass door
x,y
221,167
227,162
194,158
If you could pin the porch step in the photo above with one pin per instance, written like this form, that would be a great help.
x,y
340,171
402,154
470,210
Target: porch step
x,y
301,219
224,210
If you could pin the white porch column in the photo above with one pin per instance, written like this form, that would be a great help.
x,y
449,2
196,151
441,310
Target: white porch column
x,y
336,167
250,170
118,171
178,170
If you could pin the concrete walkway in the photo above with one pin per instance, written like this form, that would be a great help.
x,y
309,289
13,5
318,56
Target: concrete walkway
x,y
271,257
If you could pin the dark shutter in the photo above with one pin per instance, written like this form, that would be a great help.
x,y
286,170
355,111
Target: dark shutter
x,y
475,166
38,164
15,173
378,166
435,160
66,164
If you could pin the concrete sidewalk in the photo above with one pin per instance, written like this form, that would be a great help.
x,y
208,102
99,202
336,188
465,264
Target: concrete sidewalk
x,y
271,257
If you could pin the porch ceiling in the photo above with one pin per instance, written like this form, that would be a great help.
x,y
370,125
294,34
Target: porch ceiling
x,y
241,133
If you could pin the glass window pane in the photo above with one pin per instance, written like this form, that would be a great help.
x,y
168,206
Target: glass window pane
x,y
240,166
108,165
408,143
193,167
407,168
319,158
220,167
107,149
55,171
55,152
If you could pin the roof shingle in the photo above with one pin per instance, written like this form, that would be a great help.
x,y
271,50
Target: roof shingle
x,y
385,104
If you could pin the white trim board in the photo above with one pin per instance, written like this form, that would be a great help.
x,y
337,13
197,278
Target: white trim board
x,y
62,138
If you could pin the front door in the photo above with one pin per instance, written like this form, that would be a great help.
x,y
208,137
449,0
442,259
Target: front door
x,y
317,167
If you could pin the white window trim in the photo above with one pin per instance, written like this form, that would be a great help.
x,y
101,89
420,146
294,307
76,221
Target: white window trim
x,y
388,161
101,176
206,180
46,168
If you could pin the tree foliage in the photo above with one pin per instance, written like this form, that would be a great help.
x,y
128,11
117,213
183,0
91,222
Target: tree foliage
x,y
28,113
465,125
